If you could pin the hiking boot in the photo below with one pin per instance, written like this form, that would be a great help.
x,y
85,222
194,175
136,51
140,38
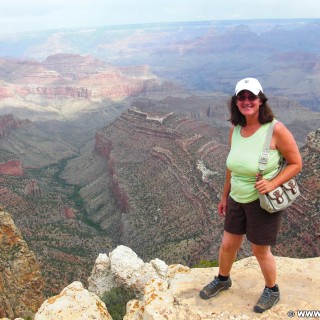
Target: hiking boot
x,y
267,300
214,287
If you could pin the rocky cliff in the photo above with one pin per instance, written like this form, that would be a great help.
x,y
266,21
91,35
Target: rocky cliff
x,y
21,281
178,297
172,291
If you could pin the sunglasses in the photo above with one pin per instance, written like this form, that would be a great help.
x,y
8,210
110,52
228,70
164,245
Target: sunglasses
x,y
250,97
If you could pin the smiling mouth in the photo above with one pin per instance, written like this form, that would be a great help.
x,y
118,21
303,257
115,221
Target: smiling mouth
x,y
247,107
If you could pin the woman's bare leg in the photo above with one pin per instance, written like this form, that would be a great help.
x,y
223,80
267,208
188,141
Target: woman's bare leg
x,y
267,263
228,252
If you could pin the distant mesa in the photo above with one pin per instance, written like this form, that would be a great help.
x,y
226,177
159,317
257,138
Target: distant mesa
x,y
12,168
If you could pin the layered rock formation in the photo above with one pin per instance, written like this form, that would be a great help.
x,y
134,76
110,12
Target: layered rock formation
x,y
21,281
165,172
69,86
161,201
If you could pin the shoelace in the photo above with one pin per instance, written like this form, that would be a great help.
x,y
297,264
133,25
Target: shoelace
x,y
213,283
265,296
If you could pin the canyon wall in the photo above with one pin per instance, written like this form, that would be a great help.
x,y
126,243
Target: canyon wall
x,y
21,282
166,173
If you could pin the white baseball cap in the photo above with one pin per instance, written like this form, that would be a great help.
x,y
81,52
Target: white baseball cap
x,y
250,84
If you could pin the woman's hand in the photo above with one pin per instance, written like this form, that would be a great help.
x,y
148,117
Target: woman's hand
x,y
222,207
264,186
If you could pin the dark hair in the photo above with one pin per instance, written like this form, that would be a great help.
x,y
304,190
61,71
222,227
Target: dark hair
x,y
237,118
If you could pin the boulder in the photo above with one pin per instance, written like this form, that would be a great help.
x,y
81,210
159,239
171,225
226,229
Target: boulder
x,y
74,303
123,268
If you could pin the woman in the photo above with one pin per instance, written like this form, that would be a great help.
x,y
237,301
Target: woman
x,y
250,117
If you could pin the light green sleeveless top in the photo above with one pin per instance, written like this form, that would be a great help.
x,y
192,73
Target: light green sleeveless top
x,y
243,162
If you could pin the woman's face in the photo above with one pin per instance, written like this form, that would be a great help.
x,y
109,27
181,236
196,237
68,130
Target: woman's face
x,y
248,103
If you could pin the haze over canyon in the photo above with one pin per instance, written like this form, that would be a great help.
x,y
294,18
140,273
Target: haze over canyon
x,y
119,135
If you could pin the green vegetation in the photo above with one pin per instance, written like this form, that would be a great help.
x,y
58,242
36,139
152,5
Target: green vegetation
x,y
10,252
74,196
6,155
116,300
206,264
70,193
79,204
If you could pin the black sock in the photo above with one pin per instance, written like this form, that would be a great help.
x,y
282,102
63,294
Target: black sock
x,y
274,289
223,278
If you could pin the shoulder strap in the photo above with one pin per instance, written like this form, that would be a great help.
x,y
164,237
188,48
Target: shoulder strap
x,y
264,156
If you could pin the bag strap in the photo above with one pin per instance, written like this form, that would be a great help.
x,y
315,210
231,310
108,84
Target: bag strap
x,y
264,156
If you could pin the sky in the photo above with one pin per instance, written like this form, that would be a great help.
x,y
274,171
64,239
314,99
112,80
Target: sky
x,y
35,15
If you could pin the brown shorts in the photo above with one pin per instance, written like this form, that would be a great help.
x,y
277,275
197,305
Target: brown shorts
x,y
260,226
